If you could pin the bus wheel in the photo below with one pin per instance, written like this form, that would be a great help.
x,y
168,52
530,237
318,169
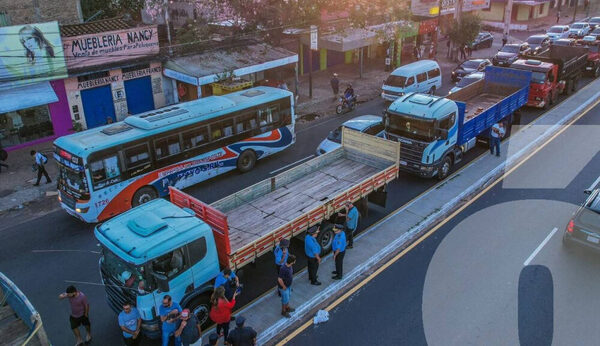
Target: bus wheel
x,y
143,195
200,306
246,161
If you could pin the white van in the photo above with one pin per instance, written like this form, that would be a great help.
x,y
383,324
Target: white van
x,y
422,76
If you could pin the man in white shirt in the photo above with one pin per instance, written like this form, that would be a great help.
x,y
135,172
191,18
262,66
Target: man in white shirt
x,y
40,161
496,134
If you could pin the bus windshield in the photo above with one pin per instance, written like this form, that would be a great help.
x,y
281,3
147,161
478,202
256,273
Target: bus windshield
x,y
411,127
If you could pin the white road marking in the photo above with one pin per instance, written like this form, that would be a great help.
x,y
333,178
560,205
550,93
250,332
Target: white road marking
x,y
41,251
532,256
291,164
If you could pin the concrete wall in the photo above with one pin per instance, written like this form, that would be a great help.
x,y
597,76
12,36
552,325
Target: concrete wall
x,y
38,11
541,10
522,12
496,12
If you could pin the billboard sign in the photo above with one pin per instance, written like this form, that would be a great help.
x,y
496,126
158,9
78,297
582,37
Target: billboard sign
x,y
31,53
430,8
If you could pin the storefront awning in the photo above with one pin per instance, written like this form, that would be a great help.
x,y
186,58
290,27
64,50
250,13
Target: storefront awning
x,y
26,96
347,40
205,68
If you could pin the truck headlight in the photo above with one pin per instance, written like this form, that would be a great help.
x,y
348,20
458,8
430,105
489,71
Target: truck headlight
x,y
426,168
538,98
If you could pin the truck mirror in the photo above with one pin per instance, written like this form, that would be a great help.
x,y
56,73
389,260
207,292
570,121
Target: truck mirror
x,y
162,282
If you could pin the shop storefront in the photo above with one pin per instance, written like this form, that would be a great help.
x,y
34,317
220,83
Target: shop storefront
x,y
113,73
33,102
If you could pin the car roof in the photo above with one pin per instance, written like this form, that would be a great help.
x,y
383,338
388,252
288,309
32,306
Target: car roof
x,y
558,26
582,23
538,36
417,66
513,45
479,60
362,122
478,74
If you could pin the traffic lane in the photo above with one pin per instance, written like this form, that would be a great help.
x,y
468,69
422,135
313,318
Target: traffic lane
x,y
391,305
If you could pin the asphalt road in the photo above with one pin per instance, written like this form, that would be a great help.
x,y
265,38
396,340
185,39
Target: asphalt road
x,y
45,254
489,276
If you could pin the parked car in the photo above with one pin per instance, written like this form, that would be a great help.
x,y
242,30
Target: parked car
x,y
420,76
569,42
579,29
538,43
369,124
483,40
467,80
510,53
595,33
557,32
594,22
584,226
469,66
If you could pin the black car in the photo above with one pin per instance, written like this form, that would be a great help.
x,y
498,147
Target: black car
x,y
538,43
510,53
483,39
584,226
469,66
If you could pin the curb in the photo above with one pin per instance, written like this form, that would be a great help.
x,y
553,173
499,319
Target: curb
x,y
269,336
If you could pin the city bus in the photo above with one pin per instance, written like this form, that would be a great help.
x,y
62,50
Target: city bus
x,y
109,169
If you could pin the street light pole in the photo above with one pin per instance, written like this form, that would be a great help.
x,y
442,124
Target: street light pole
x,y
575,12
508,17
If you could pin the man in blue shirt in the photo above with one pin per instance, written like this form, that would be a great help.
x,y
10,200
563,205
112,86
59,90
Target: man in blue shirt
x,y
351,223
281,253
229,281
339,250
313,252
130,322
169,314
40,161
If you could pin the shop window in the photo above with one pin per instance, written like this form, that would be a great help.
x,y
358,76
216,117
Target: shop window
x,y
167,146
245,122
221,129
195,138
433,73
105,171
25,125
137,156
421,77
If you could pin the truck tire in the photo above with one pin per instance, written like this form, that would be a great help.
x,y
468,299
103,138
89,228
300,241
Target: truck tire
x,y
546,102
445,167
596,71
143,195
567,90
574,84
200,306
246,161
325,238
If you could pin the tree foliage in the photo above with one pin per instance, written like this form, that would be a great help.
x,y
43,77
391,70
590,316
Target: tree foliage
x,y
111,8
467,31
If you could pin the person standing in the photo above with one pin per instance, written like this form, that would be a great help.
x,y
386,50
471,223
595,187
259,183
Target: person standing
x,y
504,39
241,336
339,250
313,252
496,134
220,311
352,217
188,328
281,253
80,311
228,280
40,161
169,314
335,85
130,323
284,284
463,52
557,16
448,43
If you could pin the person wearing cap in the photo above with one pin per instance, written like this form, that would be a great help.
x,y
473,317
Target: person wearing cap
x,y
188,328
335,85
339,250
241,336
284,284
352,216
281,253
130,323
313,252
213,338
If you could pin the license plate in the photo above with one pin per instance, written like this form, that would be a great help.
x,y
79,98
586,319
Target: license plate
x,y
593,239
403,163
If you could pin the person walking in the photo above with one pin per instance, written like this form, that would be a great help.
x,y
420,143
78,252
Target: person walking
x,y
313,252
504,39
220,311
188,328
557,16
339,250
242,336
335,85
448,43
352,217
496,134
463,52
169,314
40,161
284,284
80,312
130,323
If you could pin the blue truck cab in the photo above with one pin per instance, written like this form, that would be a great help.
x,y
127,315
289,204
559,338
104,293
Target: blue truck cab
x,y
153,250
435,132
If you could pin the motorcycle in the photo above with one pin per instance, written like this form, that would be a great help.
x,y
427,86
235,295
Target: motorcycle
x,y
348,104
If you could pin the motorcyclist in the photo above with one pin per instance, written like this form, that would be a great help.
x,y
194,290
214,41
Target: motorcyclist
x,y
349,95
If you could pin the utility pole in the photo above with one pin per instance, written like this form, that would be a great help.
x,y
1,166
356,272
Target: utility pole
x,y
508,17
575,12
457,16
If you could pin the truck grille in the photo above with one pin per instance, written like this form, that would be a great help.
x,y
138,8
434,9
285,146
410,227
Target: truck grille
x,y
67,200
115,293
411,151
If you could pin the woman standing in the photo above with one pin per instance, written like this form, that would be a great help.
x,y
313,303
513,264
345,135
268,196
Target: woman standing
x,y
220,311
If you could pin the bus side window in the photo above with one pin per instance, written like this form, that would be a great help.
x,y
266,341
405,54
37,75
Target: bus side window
x,y
105,171
167,146
267,117
136,157
195,138
222,129
245,122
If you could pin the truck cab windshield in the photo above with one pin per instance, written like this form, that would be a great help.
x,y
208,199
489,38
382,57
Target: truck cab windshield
x,y
410,127
538,77
396,81
127,274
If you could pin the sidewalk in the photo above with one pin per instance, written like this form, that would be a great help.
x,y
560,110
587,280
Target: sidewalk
x,y
401,227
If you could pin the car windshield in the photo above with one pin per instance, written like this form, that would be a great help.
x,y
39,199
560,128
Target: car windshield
x,y
336,135
510,49
556,29
595,20
74,181
535,40
407,126
538,77
470,64
577,26
119,270
596,31
397,81
466,81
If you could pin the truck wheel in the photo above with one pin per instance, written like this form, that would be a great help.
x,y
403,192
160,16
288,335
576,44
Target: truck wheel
x,y
445,167
325,238
567,90
597,71
546,101
574,84
200,306
246,161
143,195
432,90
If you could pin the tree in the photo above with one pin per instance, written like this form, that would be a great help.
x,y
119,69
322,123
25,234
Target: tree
x,y
101,9
467,31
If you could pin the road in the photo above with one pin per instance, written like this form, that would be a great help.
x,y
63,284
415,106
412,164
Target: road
x,y
497,273
45,254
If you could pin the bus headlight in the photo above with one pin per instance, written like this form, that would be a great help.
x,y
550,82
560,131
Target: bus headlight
x,y
82,210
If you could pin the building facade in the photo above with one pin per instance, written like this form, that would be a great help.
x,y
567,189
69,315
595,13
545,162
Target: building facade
x,y
26,12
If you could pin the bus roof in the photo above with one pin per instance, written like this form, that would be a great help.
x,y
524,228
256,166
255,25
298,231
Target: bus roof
x,y
150,231
422,106
167,118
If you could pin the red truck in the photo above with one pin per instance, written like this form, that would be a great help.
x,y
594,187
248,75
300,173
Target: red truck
x,y
593,59
553,72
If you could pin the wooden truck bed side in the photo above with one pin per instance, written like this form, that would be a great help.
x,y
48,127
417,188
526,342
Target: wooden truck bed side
x,y
283,206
